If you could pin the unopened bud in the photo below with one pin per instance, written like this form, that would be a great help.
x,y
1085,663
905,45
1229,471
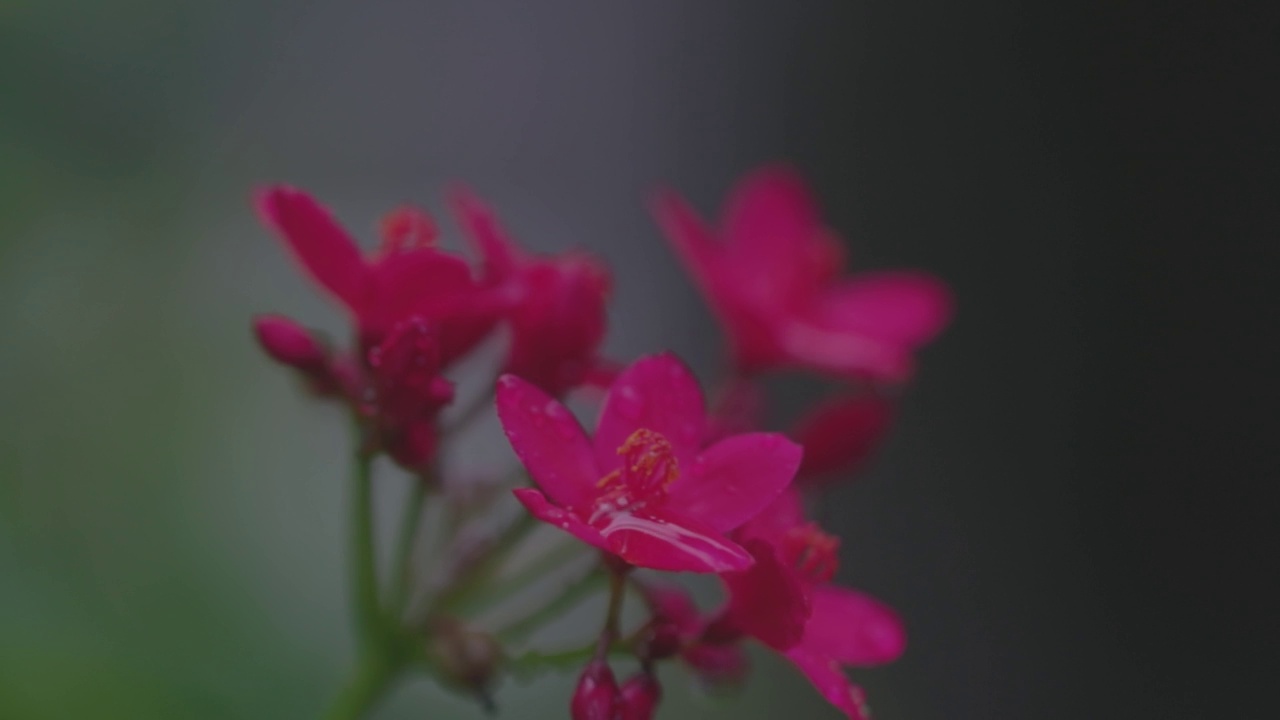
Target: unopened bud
x,y
596,697
640,697
288,343
661,639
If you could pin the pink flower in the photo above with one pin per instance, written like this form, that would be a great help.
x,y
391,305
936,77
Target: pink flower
x,y
839,436
640,696
643,488
771,272
406,277
556,304
844,627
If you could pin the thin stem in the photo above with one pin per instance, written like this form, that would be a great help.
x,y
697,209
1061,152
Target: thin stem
x,y
364,572
472,580
575,593
373,676
540,567
613,617
403,565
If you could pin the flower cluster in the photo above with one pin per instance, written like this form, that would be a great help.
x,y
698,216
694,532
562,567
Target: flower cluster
x,y
661,481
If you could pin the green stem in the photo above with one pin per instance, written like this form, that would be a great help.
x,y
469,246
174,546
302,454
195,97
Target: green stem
x,y
566,600
363,561
613,618
373,677
492,594
403,565
472,581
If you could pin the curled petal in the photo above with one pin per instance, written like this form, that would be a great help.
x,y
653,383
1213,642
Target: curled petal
x,y
662,540
549,442
736,478
694,242
329,254
853,628
830,680
768,601
536,503
499,254
657,393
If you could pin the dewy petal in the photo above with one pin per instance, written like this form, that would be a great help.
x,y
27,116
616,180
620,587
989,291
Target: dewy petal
x,y
549,442
903,307
830,680
536,503
328,253
853,628
656,393
733,480
499,254
662,540
841,434
768,601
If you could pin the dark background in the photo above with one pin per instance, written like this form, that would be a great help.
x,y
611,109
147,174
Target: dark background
x,y
1075,514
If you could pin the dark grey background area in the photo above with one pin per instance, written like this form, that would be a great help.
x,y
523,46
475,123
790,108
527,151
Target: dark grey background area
x,y
1075,514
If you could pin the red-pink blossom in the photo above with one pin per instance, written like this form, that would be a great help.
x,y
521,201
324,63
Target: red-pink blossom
x,y
555,305
644,488
844,626
407,276
772,274
840,435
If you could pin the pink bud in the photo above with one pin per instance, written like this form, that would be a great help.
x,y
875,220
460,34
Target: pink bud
x,y
640,697
596,697
288,343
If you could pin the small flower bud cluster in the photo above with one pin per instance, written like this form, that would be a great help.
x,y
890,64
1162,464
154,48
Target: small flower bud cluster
x,y
664,481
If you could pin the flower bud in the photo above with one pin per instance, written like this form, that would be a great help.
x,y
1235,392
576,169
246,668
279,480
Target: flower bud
x,y
467,658
596,697
288,343
640,697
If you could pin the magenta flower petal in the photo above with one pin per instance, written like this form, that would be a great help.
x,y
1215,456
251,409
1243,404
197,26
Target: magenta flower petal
x,y
773,522
499,254
853,628
659,539
843,353
733,480
422,281
768,601
656,393
696,245
549,442
772,220
838,436
830,680
289,343
328,253
903,307
536,503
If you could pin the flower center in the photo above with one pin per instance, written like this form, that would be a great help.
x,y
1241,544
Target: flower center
x,y
649,466
811,552
407,228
